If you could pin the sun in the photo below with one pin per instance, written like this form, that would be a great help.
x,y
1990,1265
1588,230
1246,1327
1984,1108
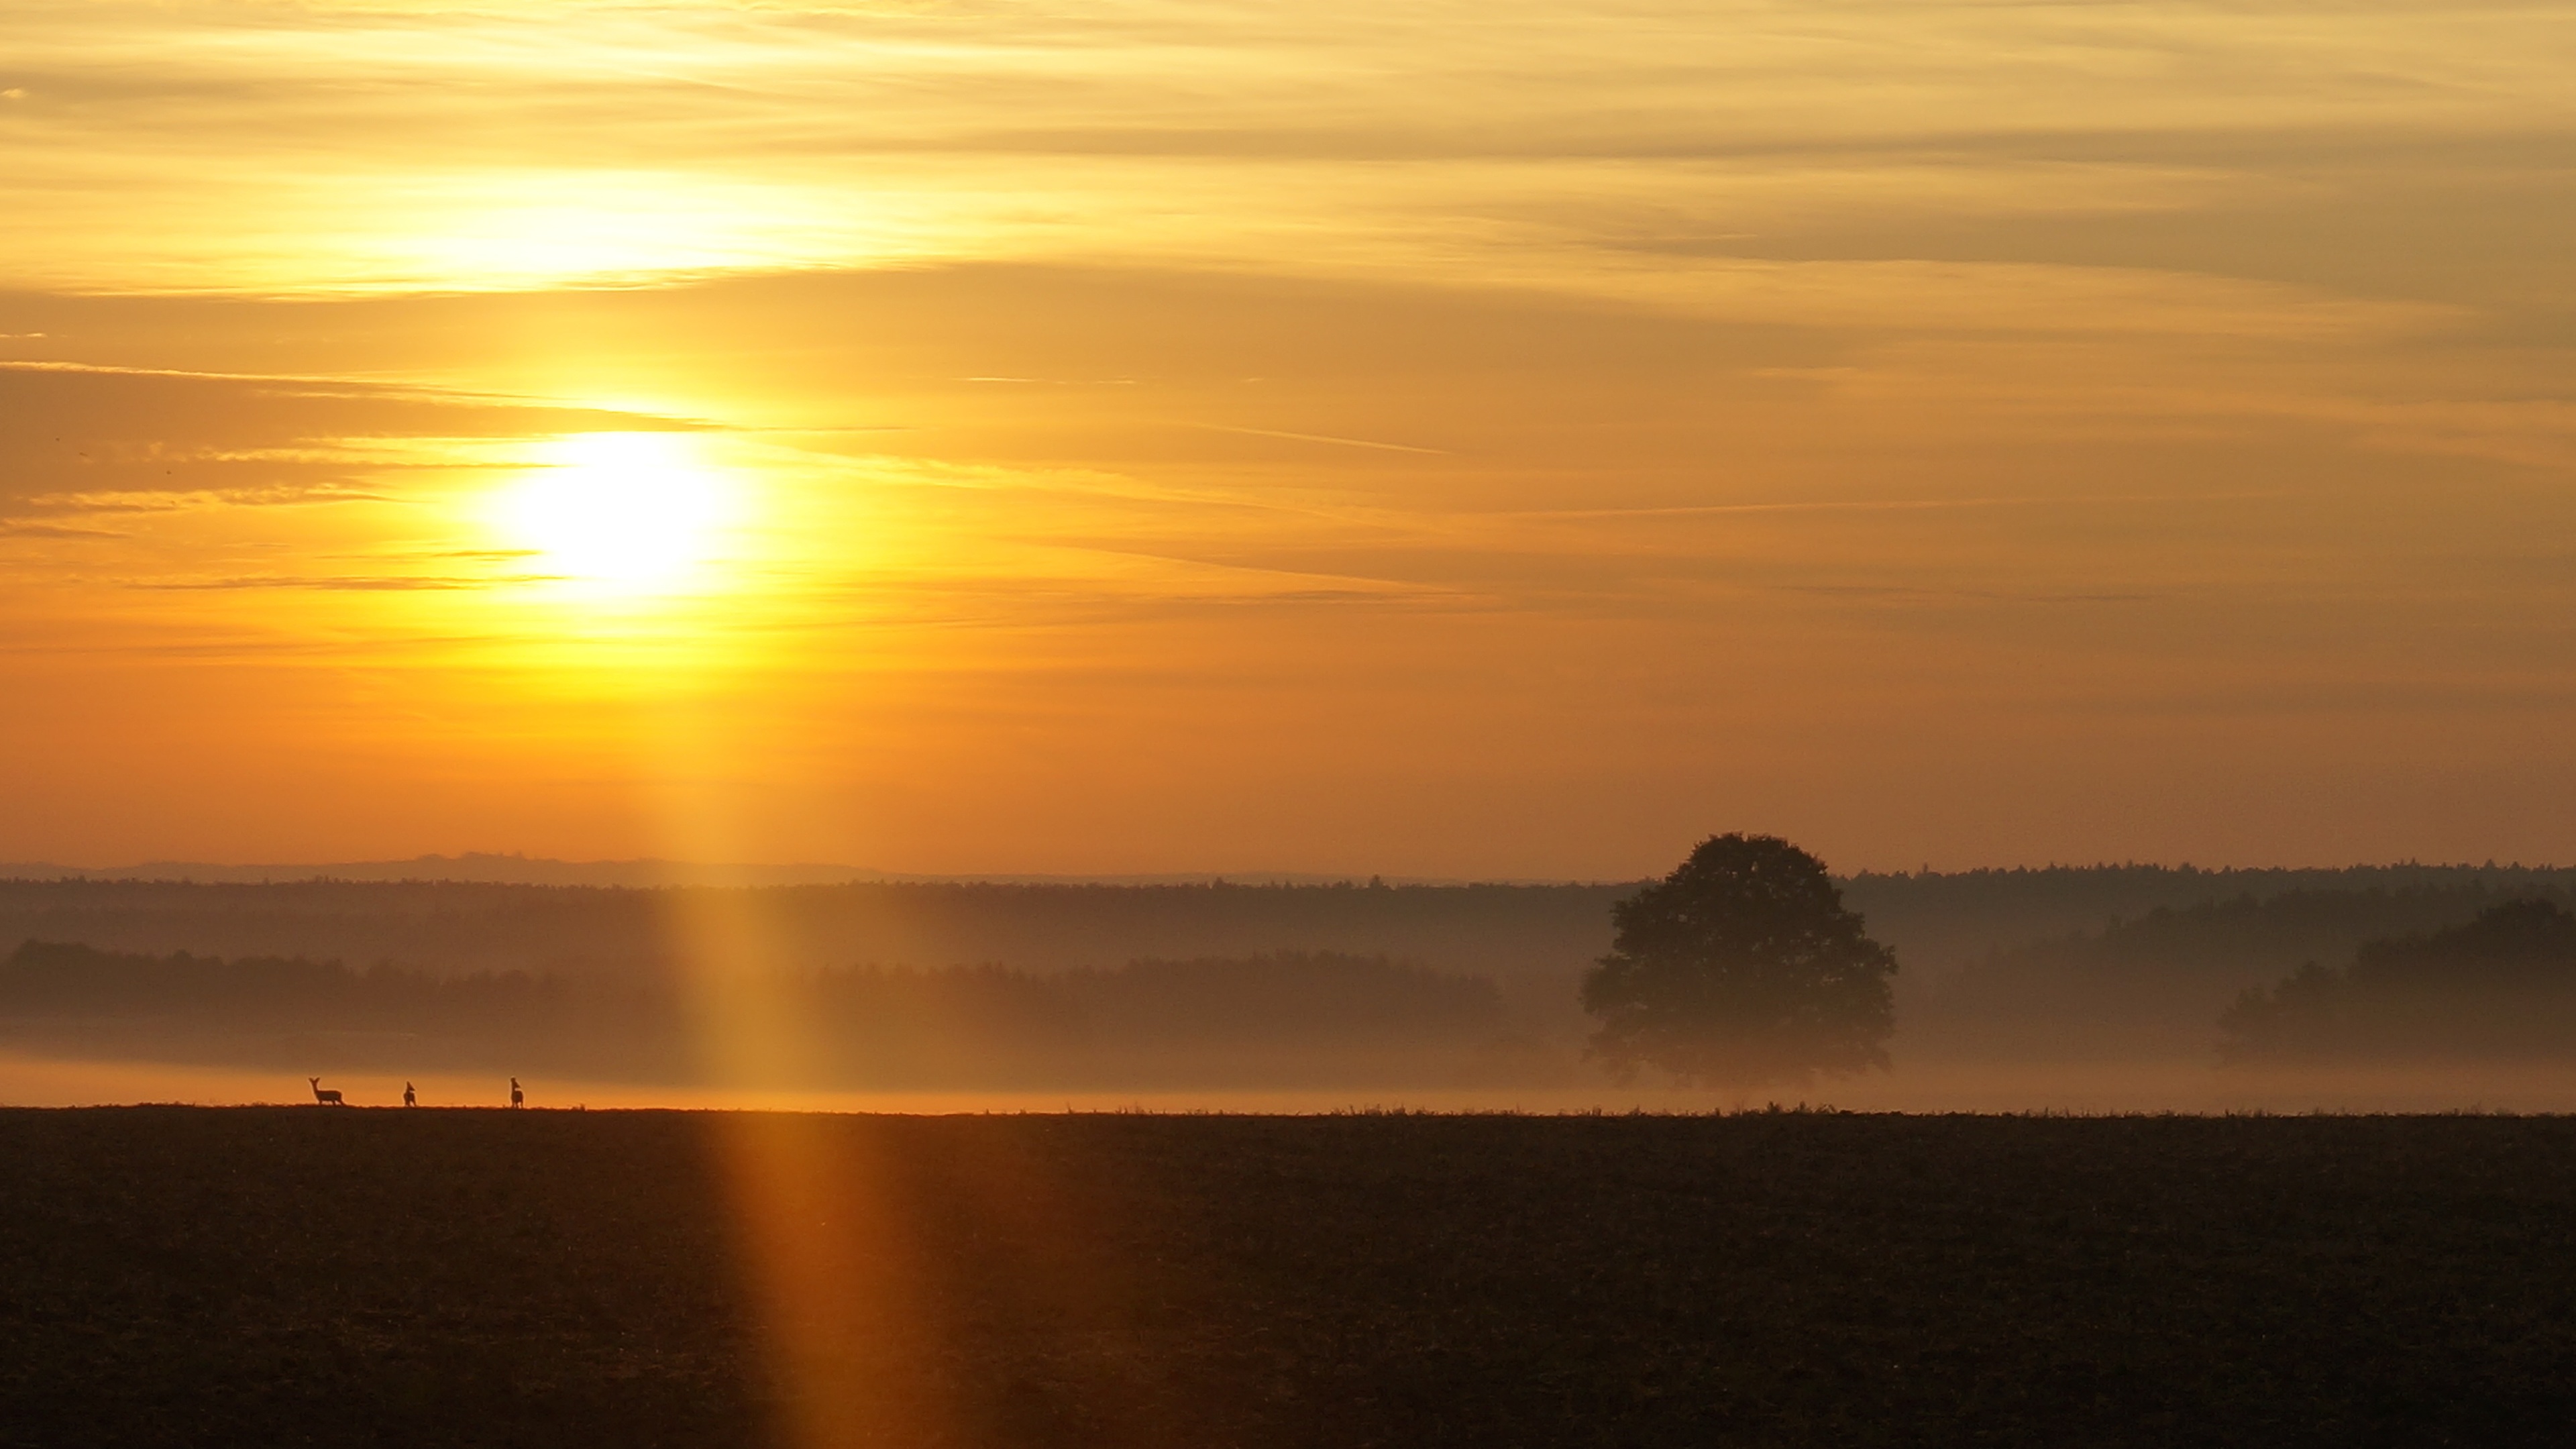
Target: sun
x,y
618,512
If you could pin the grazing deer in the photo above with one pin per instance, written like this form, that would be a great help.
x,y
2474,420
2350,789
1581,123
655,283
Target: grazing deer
x,y
517,1097
330,1098
409,1099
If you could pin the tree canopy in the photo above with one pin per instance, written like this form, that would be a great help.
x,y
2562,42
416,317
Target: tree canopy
x,y
1741,969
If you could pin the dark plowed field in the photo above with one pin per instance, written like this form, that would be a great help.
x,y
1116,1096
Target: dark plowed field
x,y
312,1276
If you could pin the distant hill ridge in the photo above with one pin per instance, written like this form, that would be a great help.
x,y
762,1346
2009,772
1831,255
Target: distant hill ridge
x,y
1937,922
496,868
2124,886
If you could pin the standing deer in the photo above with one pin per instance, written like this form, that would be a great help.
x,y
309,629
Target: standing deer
x,y
330,1098
517,1097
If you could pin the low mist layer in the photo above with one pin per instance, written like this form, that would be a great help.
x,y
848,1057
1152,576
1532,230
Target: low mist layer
x,y
1294,1018
2111,988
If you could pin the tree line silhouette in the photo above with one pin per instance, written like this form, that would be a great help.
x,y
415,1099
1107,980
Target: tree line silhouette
x,y
453,926
1279,1016
1304,985
1539,935
2501,986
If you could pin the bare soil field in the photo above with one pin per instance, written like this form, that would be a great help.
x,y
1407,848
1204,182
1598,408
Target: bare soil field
x,y
293,1276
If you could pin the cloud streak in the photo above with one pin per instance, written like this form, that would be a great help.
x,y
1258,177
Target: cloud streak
x,y
1520,436
352,583
1523,143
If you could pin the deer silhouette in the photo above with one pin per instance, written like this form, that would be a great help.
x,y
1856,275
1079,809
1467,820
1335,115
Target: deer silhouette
x,y
517,1097
330,1098
409,1099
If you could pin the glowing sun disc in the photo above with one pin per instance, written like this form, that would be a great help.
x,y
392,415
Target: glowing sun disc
x,y
624,511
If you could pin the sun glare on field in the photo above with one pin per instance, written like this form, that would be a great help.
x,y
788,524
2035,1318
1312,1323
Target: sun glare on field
x,y
619,512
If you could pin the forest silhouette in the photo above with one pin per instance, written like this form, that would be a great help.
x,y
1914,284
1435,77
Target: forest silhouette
x,y
958,985
2500,986
1285,1018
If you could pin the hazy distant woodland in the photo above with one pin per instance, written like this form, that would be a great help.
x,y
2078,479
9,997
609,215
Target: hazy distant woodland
x,y
2154,985
2500,987
459,926
1169,985
1303,1018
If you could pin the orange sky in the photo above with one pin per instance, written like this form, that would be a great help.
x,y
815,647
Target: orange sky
x,y
1467,440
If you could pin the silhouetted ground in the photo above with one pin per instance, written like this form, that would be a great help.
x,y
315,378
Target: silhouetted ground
x,y
309,1276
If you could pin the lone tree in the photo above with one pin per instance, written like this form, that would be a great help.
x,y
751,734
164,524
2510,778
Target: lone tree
x,y
1741,969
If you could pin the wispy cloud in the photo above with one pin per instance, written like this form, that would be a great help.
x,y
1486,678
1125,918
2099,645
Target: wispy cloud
x,y
1671,413
2074,499
127,439
1531,143
351,583
178,502
1322,438
23,528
